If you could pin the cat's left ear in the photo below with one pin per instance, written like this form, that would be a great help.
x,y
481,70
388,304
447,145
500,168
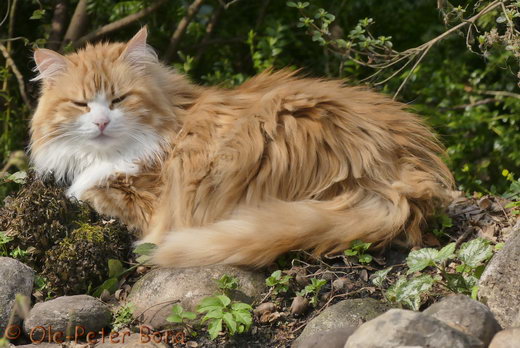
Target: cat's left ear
x,y
137,50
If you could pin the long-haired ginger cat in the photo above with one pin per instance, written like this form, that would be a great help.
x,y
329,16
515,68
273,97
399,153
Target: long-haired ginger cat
x,y
240,176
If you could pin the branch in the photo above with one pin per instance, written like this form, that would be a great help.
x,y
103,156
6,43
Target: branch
x,y
121,23
181,29
209,31
16,72
77,24
58,24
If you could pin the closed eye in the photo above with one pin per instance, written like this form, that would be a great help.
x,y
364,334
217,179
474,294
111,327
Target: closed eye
x,y
118,100
80,104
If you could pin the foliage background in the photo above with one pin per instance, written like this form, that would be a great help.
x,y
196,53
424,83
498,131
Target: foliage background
x,y
466,85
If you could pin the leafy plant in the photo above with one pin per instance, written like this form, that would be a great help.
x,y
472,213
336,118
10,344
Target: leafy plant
x,y
115,271
227,283
279,282
443,222
312,290
358,249
513,193
410,289
219,310
179,315
123,317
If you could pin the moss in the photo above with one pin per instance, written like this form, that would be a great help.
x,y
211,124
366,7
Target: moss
x,y
68,242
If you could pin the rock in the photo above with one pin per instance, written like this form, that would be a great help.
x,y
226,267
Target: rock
x,y
334,338
399,327
299,305
500,282
15,278
467,315
154,294
134,340
508,338
266,307
67,313
341,318
41,345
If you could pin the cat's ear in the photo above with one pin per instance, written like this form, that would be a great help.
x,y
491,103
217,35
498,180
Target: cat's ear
x,y
48,64
137,50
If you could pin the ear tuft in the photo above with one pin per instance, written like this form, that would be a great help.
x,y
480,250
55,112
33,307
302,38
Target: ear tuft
x,y
48,64
137,51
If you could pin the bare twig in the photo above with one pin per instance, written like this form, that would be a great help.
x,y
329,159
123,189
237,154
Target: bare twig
x,y
209,31
58,24
181,29
6,13
77,24
17,74
121,23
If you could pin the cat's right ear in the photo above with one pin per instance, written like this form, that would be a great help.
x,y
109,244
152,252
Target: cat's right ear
x,y
48,64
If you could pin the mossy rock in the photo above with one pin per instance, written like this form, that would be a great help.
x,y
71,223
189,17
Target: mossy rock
x,y
68,243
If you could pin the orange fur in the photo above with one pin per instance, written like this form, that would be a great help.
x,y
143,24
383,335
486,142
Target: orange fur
x,y
279,163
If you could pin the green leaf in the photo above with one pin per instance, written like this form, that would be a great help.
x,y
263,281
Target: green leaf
x,y
212,301
177,309
37,14
237,306
408,292
109,285
379,276
18,177
291,4
189,315
214,328
474,252
418,260
115,268
230,323
243,317
145,249
445,253
174,318
215,314
350,252
224,300
365,258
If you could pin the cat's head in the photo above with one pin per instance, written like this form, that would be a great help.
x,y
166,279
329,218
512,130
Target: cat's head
x,y
104,102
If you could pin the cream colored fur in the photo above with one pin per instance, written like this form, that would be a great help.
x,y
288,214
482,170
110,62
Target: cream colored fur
x,y
238,176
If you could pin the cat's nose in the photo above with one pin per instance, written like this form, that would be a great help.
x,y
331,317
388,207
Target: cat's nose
x,y
102,124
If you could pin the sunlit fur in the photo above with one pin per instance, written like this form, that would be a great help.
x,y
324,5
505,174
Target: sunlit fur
x,y
235,176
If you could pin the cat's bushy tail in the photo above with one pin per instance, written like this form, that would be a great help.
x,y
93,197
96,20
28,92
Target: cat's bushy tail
x,y
256,236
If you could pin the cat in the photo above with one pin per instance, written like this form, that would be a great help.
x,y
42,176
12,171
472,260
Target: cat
x,y
233,176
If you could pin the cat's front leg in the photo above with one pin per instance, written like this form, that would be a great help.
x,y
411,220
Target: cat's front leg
x,y
98,174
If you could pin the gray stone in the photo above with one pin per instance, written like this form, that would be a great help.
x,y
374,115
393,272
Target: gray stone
x,y
41,345
65,314
154,294
15,278
334,338
508,338
467,315
342,316
500,282
399,327
134,340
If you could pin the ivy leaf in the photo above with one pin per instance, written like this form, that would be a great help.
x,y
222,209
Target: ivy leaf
x,y
445,253
474,252
418,260
37,14
379,276
409,292
214,328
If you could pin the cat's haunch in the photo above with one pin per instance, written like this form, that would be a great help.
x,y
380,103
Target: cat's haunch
x,y
233,176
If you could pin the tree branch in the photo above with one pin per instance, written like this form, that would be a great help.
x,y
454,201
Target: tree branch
x,y
177,35
17,74
209,31
121,23
77,24
58,24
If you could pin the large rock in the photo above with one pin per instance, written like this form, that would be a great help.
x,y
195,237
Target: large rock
x,y
338,321
500,282
67,313
15,278
399,327
155,293
466,315
508,338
